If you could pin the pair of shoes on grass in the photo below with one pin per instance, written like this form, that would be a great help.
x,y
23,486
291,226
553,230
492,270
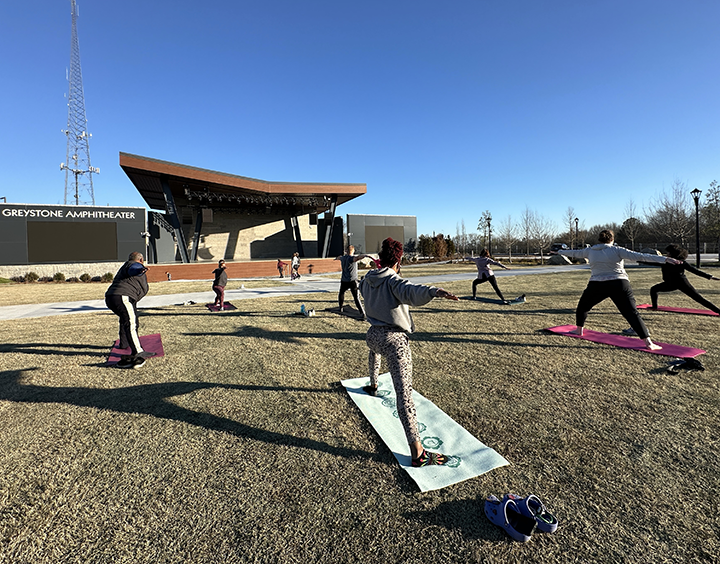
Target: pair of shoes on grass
x,y
520,516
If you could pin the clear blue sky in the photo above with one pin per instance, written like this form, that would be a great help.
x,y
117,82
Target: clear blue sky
x,y
443,109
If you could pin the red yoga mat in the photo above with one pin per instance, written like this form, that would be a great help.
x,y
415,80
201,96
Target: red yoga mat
x,y
150,343
679,309
226,306
627,342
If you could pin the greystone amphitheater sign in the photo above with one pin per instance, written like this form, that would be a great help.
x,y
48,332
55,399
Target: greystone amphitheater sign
x,y
41,234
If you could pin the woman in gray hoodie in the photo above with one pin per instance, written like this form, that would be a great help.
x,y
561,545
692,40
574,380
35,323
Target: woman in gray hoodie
x,y
387,297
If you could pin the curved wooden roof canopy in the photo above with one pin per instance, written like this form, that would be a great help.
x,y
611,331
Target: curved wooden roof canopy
x,y
198,187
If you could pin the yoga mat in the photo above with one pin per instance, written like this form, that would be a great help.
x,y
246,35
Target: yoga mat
x,y
226,306
347,312
627,342
468,457
679,310
150,343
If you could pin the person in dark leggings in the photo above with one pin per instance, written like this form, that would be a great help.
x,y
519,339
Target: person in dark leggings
x,y
387,297
219,284
674,279
485,274
608,279
349,277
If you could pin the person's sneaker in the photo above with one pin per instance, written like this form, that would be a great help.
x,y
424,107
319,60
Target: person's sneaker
x,y
124,362
147,354
139,362
629,331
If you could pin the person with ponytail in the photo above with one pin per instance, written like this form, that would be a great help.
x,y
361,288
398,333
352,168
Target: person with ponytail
x,y
387,297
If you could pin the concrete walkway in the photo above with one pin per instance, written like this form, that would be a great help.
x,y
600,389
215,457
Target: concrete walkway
x,y
306,285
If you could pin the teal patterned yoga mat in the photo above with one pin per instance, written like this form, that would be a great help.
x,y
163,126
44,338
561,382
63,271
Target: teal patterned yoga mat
x,y
468,457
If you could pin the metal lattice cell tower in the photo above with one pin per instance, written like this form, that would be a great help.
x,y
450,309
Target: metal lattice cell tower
x,y
77,167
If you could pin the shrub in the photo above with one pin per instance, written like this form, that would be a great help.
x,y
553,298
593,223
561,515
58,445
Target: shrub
x,y
73,279
32,277
85,277
107,277
18,279
59,277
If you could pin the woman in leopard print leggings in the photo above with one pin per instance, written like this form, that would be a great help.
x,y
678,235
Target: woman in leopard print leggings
x,y
387,297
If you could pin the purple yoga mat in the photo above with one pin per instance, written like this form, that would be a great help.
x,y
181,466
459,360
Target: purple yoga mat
x,y
150,343
679,309
627,342
226,306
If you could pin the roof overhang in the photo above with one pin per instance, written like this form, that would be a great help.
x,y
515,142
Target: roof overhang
x,y
198,187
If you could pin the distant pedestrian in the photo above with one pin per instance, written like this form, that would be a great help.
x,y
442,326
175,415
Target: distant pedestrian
x,y
128,287
281,268
219,284
295,266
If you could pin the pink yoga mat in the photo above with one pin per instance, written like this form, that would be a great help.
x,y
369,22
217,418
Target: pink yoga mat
x,y
679,310
150,343
627,342
226,306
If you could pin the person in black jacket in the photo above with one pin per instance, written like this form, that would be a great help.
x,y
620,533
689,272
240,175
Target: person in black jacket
x,y
674,279
128,287
219,284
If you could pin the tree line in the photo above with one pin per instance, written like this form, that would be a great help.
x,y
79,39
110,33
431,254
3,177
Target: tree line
x,y
671,218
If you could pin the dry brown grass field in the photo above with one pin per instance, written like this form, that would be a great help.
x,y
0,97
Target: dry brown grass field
x,y
239,445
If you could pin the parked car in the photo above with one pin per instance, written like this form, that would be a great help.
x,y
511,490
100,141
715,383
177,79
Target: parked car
x,y
555,247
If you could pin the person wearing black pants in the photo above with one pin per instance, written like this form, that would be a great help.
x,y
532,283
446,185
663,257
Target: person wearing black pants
x,y
674,279
219,284
349,278
128,287
485,273
608,279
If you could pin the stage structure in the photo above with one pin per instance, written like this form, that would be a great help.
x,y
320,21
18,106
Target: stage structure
x,y
367,232
215,215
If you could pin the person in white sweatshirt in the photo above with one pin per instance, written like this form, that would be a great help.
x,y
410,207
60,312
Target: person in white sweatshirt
x,y
608,279
386,298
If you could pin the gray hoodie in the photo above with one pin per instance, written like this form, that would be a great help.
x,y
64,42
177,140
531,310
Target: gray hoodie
x,y
387,297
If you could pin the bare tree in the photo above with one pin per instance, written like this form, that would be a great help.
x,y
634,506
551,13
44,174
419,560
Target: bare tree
x,y
527,221
632,226
711,213
543,232
485,226
570,223
672,216
508,233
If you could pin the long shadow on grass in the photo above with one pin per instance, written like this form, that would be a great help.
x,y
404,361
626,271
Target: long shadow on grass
x,y
283,336
150,399
64,349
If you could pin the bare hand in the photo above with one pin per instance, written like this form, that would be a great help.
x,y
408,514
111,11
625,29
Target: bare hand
x,y
445,294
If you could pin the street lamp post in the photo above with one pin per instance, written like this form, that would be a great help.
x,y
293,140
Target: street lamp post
x,y
489,230
696,196
577,235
